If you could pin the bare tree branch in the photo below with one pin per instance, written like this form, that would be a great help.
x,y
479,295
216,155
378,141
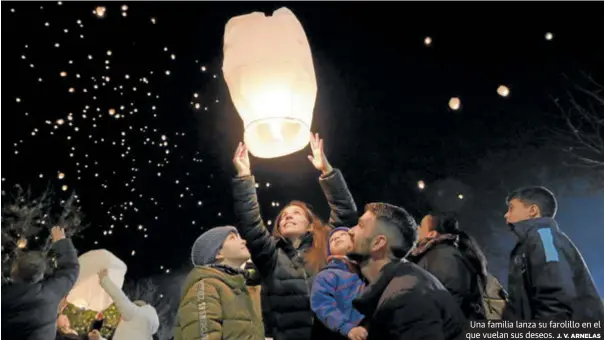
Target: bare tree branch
x,y
582,138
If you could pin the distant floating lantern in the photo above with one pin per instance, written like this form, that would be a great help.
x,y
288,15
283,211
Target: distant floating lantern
x,y
428,41
111,112
60,121
61,175
124,7
454,103
503,91
460,196
421,185
64,188
549,36
63,74
22,243
100,11
71,90
269,71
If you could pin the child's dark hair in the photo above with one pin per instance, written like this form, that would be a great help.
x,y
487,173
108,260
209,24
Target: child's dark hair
x,y
540,196
29,266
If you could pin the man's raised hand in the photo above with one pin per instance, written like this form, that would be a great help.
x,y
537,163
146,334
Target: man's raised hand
x,y
318,158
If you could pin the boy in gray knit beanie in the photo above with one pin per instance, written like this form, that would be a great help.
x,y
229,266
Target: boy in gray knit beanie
x,y
216,291
220,245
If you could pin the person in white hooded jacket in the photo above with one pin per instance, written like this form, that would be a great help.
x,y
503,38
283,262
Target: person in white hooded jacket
x,y
139,319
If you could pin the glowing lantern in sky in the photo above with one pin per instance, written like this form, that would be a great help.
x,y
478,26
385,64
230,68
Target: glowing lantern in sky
x,y
428,41
100,11
503,91
421,185
22,243
454,103
61,175
87,292
549,36
269,71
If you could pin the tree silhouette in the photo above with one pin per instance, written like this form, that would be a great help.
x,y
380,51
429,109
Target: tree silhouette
x,y
582,137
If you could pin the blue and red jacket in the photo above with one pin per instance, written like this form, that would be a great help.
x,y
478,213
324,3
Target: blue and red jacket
x,y
333,290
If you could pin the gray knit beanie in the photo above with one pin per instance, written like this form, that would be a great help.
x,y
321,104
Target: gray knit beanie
x,y
209,244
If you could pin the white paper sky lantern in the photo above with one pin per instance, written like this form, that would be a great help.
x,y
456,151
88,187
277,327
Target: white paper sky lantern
x,y
503,91
454,103
269,71
87,292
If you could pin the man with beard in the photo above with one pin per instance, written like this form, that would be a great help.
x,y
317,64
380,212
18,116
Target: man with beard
x,y
402,301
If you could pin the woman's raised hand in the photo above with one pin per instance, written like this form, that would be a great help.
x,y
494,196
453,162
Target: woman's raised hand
x,y
318,158
241,160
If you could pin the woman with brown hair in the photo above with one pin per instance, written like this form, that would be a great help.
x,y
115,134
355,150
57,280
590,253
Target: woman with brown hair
x,y
288,259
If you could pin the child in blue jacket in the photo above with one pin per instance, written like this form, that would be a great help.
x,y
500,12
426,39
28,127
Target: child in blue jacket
x,y
334,288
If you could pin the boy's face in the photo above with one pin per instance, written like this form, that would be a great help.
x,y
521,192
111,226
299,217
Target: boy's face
x,y
234,249
340,243
519,211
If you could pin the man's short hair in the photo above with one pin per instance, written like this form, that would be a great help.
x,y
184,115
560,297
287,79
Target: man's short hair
x,y
540,196
399,225
30,266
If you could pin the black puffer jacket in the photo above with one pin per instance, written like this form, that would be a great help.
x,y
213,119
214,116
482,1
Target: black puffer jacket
x,y
29,310
286,282
442,258
407,302
548,279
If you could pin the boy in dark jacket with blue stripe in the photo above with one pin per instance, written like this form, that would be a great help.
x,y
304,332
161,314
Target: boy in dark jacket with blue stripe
x,y
548,279
334,289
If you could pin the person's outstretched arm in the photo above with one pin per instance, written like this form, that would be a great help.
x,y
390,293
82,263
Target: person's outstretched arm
x,y
343,209
127,308
68,267
250,226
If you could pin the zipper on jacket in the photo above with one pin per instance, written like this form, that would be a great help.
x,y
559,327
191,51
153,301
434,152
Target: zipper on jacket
x,y
312,320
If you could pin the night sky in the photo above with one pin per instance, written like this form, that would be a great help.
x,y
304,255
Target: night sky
x,y
133,113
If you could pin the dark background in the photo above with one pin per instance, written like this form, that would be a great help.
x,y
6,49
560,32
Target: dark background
x,y
381,107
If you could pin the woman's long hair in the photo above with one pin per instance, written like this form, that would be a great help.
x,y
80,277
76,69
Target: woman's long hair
x,y
447,224
315,257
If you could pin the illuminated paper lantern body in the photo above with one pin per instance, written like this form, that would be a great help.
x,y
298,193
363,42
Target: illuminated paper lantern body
x,y
454,103
503,91
269,71
87,292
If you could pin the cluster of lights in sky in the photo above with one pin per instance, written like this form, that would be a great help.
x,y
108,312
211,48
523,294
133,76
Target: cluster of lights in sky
x,y
502,90
102,126
137,95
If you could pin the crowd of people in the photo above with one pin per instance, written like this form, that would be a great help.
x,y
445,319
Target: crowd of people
x,y
377,276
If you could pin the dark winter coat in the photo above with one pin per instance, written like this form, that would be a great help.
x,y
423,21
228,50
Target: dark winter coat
x,y
29,310
286,281
548,279
407,302
333,290
443,259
